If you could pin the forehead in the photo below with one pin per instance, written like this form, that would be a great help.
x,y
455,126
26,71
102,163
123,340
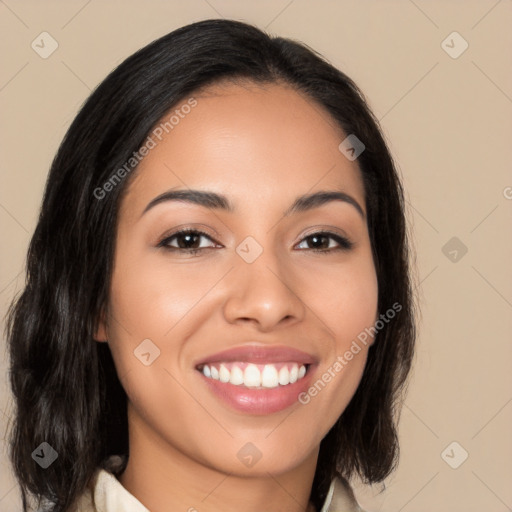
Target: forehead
x,y
251,142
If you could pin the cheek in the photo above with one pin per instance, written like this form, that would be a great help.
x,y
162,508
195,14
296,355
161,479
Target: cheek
x,y
150,297
348,304
346,298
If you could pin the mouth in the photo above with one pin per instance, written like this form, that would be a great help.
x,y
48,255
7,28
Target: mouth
x,y
255,376
256,379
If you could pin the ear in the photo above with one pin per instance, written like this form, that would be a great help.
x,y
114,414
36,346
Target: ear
x,y
100,334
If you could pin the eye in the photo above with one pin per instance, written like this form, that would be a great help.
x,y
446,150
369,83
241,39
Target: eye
x,y
187,241
321,238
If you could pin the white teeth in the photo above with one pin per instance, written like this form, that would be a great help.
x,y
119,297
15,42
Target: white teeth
x,y
224,374
294,373
284,376
269,378
237,376
252,376
255,376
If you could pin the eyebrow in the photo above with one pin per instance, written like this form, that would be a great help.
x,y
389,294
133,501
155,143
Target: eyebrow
x,y
220,202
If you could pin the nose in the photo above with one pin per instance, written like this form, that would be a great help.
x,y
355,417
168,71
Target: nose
x,y
265,293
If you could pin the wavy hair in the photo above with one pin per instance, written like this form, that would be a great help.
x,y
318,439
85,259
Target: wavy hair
x,y
66,390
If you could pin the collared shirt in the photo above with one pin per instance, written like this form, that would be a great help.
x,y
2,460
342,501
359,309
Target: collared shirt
x,y
109,495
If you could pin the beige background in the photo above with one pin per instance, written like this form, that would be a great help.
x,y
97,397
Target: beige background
x,y
449,123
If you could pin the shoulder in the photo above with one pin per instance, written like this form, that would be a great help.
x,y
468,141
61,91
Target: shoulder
x,y
341,497
85,502
105,492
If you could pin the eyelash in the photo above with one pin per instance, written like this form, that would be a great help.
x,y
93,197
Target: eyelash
x,y
344,243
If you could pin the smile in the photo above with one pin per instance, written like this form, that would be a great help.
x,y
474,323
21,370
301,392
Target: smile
x,y
257,379
259,376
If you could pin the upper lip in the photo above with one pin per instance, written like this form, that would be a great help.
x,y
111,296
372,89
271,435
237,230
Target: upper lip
x,y
259,354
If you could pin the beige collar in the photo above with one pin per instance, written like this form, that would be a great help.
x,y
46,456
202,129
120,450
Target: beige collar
x,y
110,496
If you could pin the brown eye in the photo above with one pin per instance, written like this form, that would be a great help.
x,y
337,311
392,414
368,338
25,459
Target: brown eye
x,y
187,241
320,242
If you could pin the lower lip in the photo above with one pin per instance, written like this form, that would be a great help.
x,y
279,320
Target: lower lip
x,y
259,401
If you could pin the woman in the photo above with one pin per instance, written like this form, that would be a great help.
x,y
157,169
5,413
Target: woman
x,y
218,312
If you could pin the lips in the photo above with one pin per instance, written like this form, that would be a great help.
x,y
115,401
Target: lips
x,y
257,379
258,354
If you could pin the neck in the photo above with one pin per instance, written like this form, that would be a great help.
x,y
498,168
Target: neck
x,y
164,478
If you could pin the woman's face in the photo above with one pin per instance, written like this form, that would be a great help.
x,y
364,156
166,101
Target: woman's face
x,y
268,295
